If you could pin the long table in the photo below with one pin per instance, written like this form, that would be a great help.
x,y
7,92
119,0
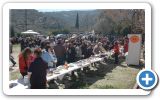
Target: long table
x,y
60,71
72,67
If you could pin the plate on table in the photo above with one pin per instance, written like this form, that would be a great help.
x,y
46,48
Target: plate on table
x,y
103,55
60,67
49,74
56,72
96,55
71,65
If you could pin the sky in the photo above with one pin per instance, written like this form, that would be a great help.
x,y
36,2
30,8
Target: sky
x,y
56,10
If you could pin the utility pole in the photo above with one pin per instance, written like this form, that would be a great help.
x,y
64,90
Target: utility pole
x,y
25,16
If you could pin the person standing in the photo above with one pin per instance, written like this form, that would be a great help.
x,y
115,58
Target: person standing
x,y
49,57
125,46
78,52
71,53
22,43
11,58
25,59
37,71
60,52
116,52
89,50
84,49
98,48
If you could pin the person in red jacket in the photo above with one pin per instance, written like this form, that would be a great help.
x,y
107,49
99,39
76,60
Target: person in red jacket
x,y
116,52
125,46
25,59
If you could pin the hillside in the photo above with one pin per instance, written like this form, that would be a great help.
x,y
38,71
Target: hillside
x,y
45,22
117,21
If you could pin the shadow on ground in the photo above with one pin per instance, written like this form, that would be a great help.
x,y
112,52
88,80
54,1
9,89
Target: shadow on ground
x,y
90,75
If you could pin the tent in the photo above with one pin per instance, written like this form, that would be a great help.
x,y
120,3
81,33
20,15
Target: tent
x,y
60,35
30,32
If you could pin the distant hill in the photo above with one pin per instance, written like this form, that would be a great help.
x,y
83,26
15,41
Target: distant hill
x,y
118,21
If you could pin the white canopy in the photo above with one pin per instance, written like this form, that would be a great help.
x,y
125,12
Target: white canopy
x,y
60,35
30,32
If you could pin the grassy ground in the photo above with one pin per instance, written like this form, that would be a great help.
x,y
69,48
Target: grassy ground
x,y
118,78
110,76
14,71
14,75
105,75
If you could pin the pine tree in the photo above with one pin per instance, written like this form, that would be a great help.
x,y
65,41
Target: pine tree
x,y
77,22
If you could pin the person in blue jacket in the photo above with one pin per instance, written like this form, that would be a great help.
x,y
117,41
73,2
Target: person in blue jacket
x,y
49,57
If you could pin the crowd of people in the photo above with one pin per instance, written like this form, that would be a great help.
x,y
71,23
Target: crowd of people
x,y
40,54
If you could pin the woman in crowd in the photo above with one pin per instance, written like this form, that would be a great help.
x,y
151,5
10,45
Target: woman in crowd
x,y
37,71
25,59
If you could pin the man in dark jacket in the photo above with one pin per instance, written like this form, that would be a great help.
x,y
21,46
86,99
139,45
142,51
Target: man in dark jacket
x,y
37,71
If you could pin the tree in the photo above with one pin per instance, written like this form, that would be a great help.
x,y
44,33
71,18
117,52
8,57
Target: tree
x,y
104,25
77,22
120,22
138,21
123,27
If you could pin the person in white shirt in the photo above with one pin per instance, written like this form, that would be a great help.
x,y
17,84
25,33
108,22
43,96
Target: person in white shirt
x,y
78,52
